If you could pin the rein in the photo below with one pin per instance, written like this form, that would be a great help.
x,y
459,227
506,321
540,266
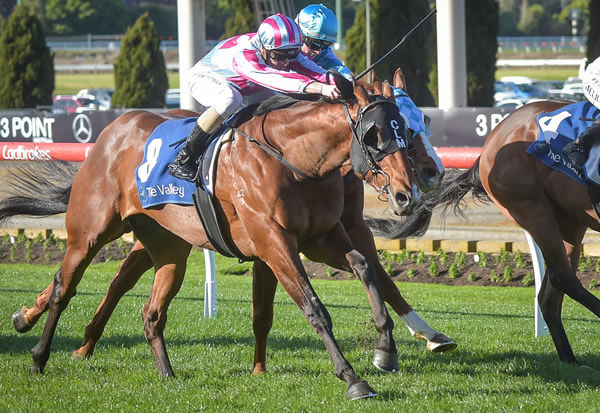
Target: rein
x,y
274,153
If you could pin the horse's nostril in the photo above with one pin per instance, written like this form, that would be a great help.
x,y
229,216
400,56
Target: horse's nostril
x,y
402,199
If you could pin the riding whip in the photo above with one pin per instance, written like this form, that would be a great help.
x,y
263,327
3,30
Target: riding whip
x,y
368,69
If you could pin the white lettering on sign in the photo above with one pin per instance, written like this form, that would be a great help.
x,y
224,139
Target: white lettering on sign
x,y
26,127
21,153
484,126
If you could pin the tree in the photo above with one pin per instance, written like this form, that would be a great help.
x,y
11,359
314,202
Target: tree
x,y
481,17
593,37
390,21
64,17
27,65
243,21
140,71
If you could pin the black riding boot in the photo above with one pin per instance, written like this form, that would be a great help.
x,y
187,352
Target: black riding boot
x,y
184,166
578,150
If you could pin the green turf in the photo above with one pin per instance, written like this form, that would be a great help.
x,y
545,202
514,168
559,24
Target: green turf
x,y
499,365
71,83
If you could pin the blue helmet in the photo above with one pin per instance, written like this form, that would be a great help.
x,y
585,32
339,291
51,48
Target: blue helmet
x,y
318,22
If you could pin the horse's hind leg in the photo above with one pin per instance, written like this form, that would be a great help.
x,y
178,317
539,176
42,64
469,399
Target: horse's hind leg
x,y
363,241
131,269
169,254
264,285
85,238
25,318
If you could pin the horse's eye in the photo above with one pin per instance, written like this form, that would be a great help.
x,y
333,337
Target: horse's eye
x,y
374,138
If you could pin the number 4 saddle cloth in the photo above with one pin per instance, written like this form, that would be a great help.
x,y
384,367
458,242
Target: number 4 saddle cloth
x,y
560,127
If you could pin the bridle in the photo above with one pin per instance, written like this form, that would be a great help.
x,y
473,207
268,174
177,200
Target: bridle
x,y
364,157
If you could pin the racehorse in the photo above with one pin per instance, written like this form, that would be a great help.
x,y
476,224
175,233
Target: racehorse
x,y
297,211
554,209
429,172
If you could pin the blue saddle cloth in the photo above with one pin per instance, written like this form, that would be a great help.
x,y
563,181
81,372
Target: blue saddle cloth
x,y
559,128
155,185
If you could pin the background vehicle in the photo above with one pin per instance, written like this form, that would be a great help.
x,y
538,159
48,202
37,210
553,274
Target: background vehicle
x,y
73,104
507,90
102,95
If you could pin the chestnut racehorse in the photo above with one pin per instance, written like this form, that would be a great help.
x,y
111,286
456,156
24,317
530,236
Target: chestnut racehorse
x,y
429,172
554,209
296,212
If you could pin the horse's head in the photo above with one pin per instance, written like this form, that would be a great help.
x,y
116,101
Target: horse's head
x,y
427,165
379,149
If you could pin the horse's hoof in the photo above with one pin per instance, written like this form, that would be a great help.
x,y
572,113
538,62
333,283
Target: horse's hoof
x,y
440,344
385,361
19,323
36,369
360,390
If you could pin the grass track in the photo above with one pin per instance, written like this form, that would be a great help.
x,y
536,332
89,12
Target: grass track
x,y
499,365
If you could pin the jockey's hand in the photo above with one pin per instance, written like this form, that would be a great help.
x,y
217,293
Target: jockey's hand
x,y
330,91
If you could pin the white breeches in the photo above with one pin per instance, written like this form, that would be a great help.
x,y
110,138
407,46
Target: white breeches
x,y
212,90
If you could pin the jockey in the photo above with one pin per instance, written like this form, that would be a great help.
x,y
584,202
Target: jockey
x,y
319,31
319,27
577,150
244,70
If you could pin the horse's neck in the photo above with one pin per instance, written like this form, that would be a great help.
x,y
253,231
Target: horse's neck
x,y
315,138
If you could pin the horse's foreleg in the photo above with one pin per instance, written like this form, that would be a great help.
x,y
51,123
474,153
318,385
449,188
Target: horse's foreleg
x,y
25,318
336,250
362,239
264,285
131,269
287,267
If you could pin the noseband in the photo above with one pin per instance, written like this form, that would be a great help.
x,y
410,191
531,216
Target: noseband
x,y
364,157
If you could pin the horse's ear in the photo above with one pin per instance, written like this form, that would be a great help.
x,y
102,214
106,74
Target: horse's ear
x,y
361,95
399,80
387,90
377,88
344,85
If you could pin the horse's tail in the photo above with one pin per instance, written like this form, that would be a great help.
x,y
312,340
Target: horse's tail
x,y
40,191
451,193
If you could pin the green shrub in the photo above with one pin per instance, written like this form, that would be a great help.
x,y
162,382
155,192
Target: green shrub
x,y
460,258
508,274
434,271
442,257
27,66
329,271
453,271
593,283
472,277
494,276
519,261
140,70
411,273
482,259
503,257
420,257
527,279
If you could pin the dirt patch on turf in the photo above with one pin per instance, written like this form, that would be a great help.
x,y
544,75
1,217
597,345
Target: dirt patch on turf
x,y
448,268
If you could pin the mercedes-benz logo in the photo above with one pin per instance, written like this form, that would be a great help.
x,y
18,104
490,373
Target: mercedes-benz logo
x,y
82,128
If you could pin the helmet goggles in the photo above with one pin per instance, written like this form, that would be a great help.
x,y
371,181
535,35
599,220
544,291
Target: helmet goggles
x,y
283,54
316,44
